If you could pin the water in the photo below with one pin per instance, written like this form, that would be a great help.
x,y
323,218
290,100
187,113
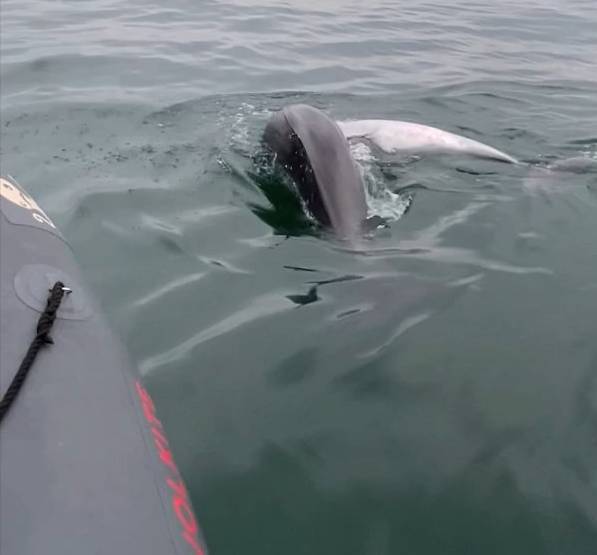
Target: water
x,y
434,393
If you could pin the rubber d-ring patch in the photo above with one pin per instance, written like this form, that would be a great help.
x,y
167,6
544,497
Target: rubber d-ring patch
x,y
33,282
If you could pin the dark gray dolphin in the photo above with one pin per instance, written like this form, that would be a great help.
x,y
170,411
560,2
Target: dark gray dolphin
x,y
316,154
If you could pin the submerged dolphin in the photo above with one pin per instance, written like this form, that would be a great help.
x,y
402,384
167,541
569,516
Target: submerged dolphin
x,y
314,149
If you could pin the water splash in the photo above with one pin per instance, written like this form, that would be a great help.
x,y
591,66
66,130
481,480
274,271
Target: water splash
x,y
381,201
240,138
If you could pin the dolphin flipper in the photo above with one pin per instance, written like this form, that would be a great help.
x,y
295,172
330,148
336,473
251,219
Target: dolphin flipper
x,y
402,136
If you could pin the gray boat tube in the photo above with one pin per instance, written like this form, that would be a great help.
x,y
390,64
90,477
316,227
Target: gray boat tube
x,y
85,465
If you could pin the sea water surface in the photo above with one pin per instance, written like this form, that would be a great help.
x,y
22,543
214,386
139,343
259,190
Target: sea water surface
x,y
434,391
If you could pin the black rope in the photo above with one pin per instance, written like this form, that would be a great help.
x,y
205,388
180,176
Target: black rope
x,y
44,325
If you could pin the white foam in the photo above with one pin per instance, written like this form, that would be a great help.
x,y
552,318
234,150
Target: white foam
x,y
381,201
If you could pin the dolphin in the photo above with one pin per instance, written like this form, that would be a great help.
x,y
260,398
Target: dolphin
x,y
314,150
316,154
403,136
550,178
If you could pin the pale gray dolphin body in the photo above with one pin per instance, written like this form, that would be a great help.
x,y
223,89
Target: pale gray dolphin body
x,y
403,136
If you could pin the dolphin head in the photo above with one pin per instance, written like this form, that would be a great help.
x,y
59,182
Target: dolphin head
x,y
313,150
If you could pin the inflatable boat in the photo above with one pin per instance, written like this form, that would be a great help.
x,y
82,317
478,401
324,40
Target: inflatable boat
x,y
85,465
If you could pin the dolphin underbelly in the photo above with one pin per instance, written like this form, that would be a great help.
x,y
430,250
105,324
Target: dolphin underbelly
x,y
402,136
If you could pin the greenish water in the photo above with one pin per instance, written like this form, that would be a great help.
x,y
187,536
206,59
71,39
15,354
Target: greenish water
x,y
435,393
